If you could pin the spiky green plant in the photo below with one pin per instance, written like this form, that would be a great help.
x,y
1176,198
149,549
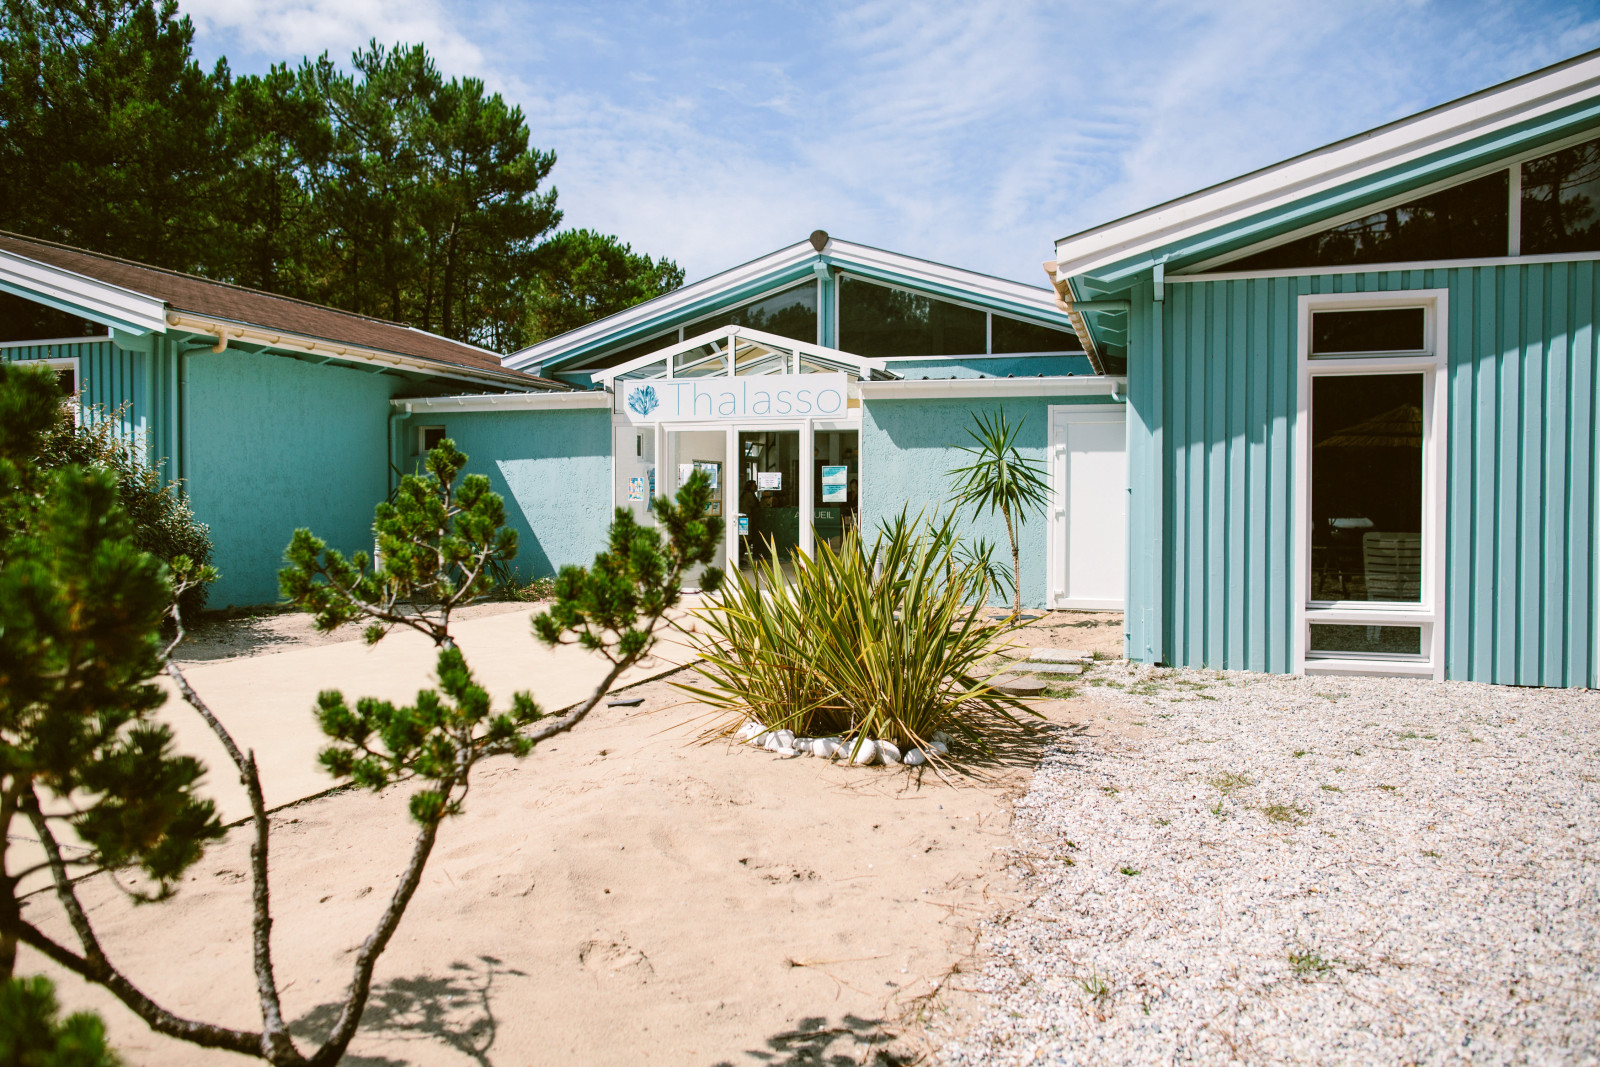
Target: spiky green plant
x,y
879,641
1000,478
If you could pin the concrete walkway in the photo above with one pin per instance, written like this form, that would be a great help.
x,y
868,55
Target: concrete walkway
x,y
267,701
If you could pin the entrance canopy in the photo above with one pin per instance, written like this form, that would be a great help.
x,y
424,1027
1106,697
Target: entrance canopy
x,y
739,351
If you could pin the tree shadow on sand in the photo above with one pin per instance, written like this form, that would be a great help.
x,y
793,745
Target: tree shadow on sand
x,y
453,1010
850,1042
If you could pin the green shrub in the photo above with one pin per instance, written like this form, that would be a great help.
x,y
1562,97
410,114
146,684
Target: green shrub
x,y
163,523
32,1036
877,642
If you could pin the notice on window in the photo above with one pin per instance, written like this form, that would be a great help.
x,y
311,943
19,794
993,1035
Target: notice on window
x,y
769,480
635,489
712,470
744,526
835,485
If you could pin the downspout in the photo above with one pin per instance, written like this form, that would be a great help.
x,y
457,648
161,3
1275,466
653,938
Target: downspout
x,y
404,412
1155,630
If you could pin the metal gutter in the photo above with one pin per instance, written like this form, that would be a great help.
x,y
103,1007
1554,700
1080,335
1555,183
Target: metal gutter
x,y
544,401
1088,385
223,329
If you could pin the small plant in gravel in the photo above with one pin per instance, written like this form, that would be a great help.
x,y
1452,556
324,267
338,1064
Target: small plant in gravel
x,y
1332,788
1129,871
1220,809
1387,788
1293,814
1300,752
1408,735
1308,963
1096,986
1430,853
1229,782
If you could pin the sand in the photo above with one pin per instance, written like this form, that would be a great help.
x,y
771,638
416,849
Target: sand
x,y
624,895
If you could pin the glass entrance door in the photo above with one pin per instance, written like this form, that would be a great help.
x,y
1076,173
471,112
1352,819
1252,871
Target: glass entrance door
x,y
770,506
836,484
686,451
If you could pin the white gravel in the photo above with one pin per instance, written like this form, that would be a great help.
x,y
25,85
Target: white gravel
x,y
1437,881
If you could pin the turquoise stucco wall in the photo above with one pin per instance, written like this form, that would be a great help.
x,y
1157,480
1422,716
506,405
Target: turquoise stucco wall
x,y
273,444
552,467
908,446
1214,399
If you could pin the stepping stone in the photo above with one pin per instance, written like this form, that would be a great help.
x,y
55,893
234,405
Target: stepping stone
x,y
1013,686
1059,655
625,702
1050,668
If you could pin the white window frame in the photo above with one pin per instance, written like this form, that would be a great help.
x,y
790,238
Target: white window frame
x,y
1432,363
422,436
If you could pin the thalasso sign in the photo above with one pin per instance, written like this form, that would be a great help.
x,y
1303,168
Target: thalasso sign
x,y
774,397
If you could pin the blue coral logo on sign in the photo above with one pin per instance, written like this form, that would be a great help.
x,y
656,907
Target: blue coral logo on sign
x,y
775,397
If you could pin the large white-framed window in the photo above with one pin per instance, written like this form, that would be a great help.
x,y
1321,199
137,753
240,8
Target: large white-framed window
x,y
1369,474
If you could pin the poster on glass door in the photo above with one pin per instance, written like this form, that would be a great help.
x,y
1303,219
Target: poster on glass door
x,y
835,485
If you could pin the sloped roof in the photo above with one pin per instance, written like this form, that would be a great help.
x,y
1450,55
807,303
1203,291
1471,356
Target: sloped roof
x,y
236,304
788,266
1367,169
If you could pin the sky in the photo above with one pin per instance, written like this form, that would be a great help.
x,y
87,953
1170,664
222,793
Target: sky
x,y
970,132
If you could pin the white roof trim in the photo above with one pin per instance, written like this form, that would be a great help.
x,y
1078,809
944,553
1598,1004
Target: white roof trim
x,y
680,298
840,254
285,341
112,304
768,340
1351,159
503,402
1085,385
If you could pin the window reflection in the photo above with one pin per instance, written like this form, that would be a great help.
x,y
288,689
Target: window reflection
x,y
1465,222
701,362
876,321
790,313
1014,335
1366,487
1561,201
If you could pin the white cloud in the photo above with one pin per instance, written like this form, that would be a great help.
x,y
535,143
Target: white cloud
x,y
974,134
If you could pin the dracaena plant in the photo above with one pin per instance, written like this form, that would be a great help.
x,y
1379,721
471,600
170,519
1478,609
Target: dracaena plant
x,y
1000,478
437,543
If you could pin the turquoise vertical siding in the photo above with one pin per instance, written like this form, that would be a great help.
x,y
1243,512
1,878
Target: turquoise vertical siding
x,y
273,444
1216,388
909,446
552,467
137,389
110,380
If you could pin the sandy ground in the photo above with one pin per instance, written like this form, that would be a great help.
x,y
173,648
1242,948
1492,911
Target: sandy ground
x,y
624,895
222,637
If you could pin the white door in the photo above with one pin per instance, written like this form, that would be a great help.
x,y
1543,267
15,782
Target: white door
x,y
1089,506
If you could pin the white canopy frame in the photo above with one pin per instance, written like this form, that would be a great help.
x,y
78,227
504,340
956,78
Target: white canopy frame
x,y
739,351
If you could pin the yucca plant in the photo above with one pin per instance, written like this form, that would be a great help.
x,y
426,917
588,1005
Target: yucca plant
x,y
881,641
1000,478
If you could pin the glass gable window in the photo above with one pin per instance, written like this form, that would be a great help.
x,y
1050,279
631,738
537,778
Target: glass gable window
x,y
790,313
1561,201
1014,335
1366,487
1343,333
877,321
1465,222
632,352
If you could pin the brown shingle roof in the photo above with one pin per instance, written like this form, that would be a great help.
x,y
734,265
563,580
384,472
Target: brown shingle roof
x,y
201,296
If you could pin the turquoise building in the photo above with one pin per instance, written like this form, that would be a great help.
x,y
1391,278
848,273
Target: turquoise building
x,y
274,413
1361,386
1334,416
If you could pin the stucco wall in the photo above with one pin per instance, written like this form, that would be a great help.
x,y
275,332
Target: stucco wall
x,y
552,467
909,446
274,444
